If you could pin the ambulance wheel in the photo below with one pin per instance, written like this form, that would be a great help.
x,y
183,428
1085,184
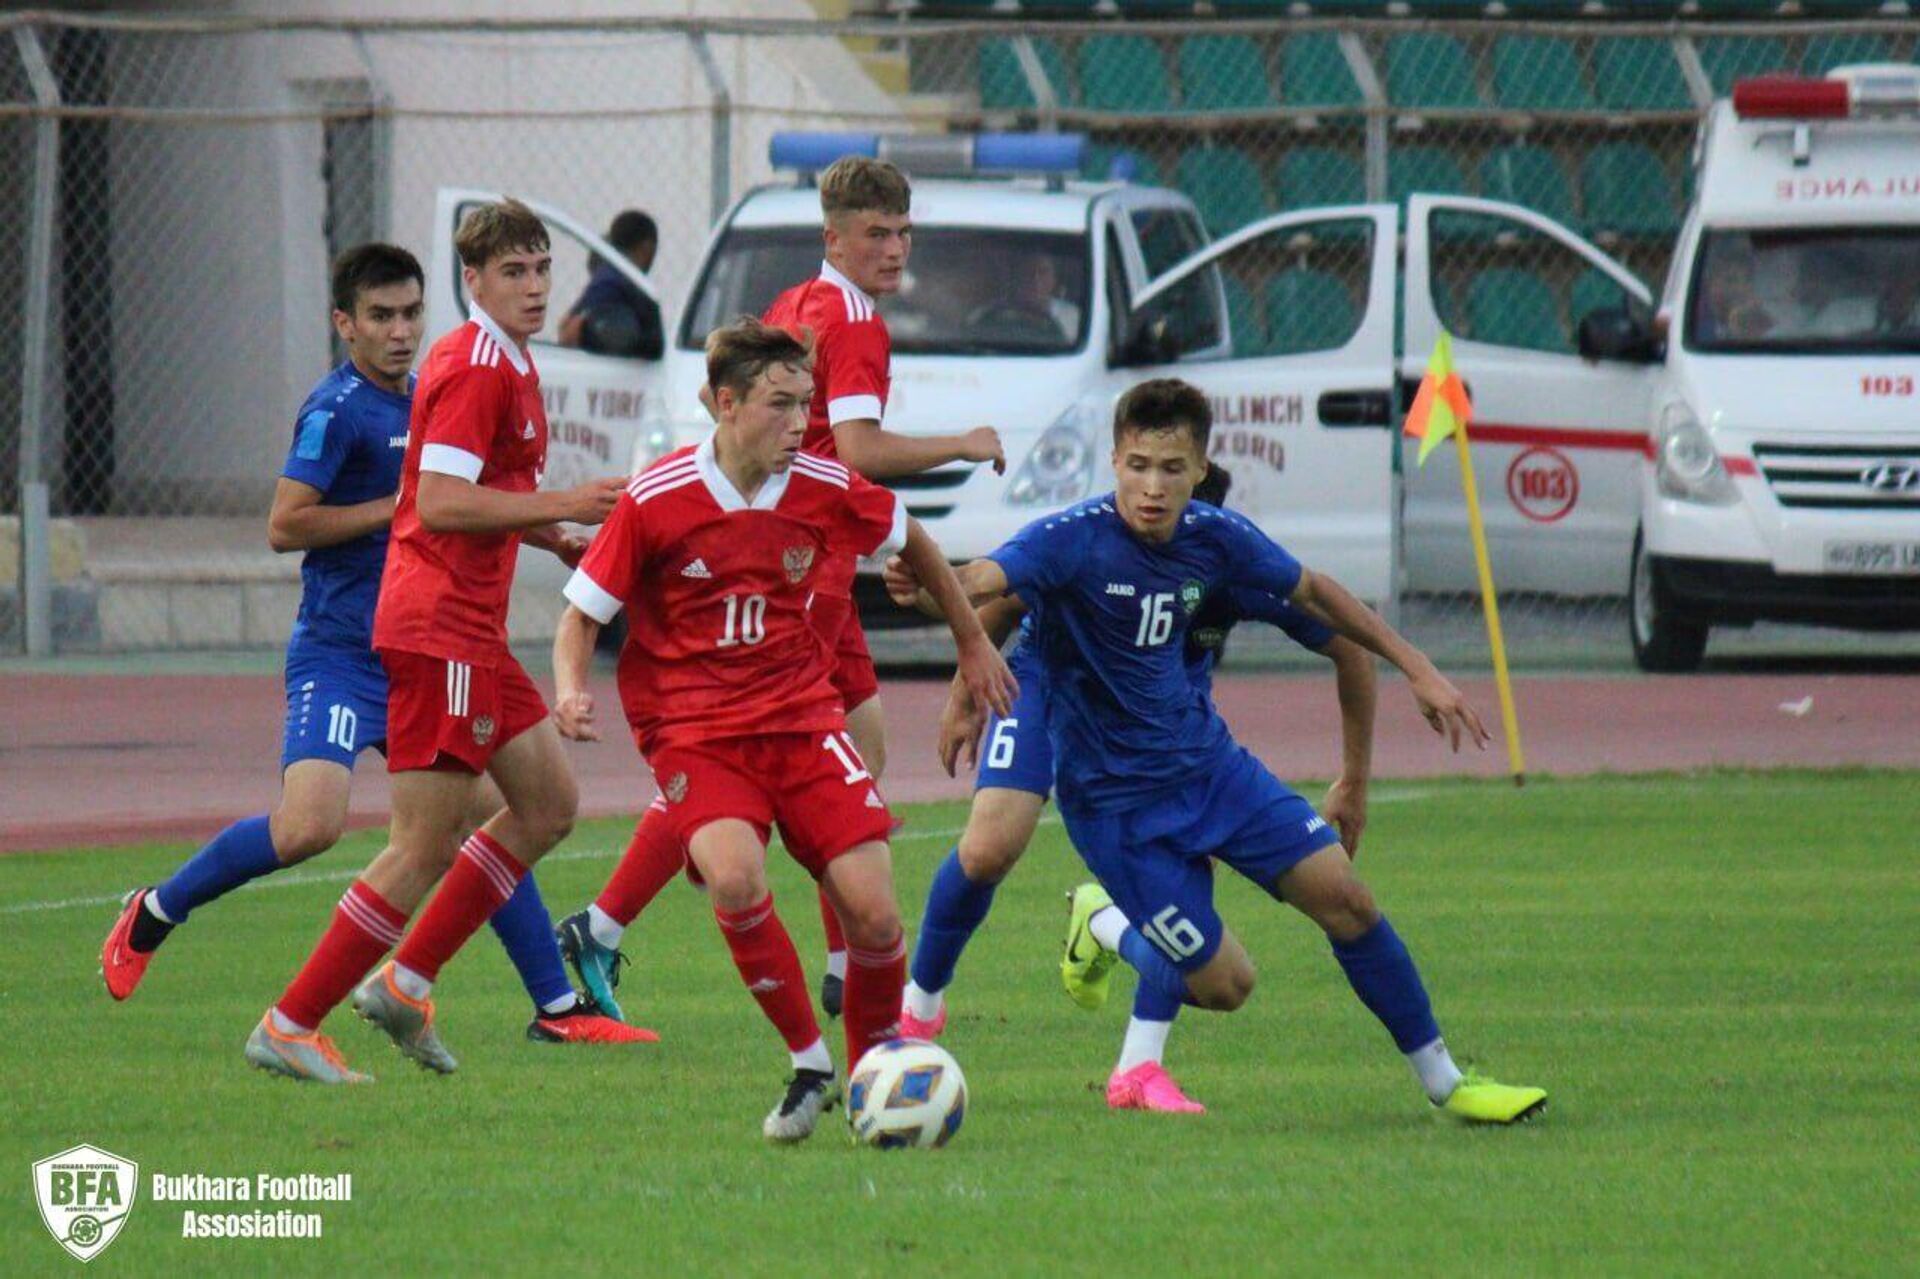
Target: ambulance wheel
x,y
1662,641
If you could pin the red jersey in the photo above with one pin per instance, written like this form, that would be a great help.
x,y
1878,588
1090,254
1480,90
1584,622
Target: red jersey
x,y
716,589
477,414
852,353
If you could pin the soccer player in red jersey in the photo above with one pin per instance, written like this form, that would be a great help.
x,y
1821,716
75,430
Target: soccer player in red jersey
x,y
868,233
728,686
458,703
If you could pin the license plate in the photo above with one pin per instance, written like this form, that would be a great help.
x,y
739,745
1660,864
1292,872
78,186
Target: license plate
x,y
1874,558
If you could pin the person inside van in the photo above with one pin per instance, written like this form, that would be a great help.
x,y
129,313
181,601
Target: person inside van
x,y
612,315
1830,297
1734,310
1897,310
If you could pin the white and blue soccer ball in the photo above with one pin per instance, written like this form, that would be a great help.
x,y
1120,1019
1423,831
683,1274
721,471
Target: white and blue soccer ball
x,y
906,1092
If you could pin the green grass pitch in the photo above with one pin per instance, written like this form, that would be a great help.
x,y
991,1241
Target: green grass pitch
x,y
1714,975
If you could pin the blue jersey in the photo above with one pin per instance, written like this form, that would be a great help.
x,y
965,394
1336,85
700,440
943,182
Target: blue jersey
x,y
1221,611
349,440
1127,722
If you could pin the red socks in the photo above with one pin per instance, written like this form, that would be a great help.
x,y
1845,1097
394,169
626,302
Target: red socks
x,y
770,967
364,928
653,857
830,920
482,878
876,980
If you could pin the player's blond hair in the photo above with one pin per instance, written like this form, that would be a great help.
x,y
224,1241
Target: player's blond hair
x,y
740,353
862,184
490,230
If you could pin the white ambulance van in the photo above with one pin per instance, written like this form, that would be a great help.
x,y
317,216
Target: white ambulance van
x,y
1782,473
1033,300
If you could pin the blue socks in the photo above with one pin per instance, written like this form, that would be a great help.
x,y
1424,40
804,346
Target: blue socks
x,y
241,852
526,930
1151,1004
1158,975
1381,972
956,906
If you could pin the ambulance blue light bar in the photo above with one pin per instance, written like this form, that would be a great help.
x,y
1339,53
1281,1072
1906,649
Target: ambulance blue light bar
x,y
935,154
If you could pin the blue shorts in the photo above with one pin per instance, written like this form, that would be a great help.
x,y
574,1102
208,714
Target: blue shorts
x,y
1157,860
1015,753
336,706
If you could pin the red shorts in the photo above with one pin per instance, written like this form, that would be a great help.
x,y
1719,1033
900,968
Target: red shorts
x,y
443,713
812,784
838,622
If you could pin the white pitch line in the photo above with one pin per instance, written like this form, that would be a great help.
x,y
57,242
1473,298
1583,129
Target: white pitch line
x,y
342,875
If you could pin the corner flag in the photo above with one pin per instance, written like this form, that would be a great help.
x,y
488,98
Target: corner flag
x,y
1441,409
1441,406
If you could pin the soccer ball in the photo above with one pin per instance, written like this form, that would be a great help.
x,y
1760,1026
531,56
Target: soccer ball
x,y
906,1092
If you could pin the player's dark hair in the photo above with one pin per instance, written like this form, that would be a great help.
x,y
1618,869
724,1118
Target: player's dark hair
x,y
491,230
1214,485
1164,404
740,352
372,266
631,229
862,184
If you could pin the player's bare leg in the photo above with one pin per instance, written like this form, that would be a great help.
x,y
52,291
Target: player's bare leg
x,y
1000,825
867,725
732,862
859,882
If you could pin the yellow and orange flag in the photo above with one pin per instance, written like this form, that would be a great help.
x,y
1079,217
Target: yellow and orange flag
x,y
1441,406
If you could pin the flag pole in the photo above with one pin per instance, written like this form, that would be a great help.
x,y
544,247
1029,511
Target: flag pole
x,y
1509,717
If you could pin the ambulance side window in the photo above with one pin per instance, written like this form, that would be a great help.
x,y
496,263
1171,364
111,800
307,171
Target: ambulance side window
x,y
1168,237
1502,282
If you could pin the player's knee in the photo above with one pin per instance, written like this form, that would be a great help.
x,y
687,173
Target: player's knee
x,y
550,819
736,886
870,925
298,837
987,855
1350,912
1223,988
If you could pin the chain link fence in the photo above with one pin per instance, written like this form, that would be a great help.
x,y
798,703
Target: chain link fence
x,y
205,171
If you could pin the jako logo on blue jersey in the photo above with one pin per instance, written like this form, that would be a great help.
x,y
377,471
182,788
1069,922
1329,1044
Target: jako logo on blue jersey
x,y
1120,588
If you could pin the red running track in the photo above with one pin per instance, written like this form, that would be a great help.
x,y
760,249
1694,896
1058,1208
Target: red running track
x,y
97,759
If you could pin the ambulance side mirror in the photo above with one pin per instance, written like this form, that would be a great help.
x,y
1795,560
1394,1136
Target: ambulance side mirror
x,y
1616,333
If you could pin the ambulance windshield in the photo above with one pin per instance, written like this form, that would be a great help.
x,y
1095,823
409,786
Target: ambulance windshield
x,y
1812,291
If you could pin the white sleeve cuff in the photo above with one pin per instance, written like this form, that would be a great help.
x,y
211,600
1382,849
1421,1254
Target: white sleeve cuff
x,y
853,408
444,459
897,535
586,595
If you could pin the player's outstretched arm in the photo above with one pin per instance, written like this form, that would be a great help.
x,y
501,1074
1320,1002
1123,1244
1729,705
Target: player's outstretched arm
x,y
449,504
1444,706
880,454
982,580
1358,686
572,657
981,667
554,538
299,522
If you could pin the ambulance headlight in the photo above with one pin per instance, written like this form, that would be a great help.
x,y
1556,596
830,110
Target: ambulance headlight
x,y
1060,467
1686,465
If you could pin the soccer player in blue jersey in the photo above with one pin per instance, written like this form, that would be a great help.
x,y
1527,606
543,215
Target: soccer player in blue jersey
x,y
1015,778
334,501
1153,788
